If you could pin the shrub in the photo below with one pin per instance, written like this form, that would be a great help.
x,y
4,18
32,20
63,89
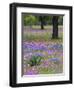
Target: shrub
x,y
35,60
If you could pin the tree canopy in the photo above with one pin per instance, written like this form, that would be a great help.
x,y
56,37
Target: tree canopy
x,y
36,20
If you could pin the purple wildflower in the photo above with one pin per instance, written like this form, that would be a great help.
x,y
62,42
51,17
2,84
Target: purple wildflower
x,y
54,59
50,52
39,54
35,46
31,72
57,46
45,63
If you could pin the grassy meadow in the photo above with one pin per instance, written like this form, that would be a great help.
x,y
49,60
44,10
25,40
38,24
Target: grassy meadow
x,y
41,53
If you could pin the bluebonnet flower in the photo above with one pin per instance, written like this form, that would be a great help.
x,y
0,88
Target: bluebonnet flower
x,y
54,59
43,47
50,46
39,54
31,72
57,46
50,52
34,46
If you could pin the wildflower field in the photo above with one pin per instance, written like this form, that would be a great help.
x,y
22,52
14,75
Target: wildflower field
x,y
40,53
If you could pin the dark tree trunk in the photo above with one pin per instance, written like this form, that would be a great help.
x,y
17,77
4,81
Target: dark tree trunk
x,y
42,22
55,27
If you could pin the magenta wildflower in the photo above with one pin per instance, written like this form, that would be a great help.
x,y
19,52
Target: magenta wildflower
x,y
31,72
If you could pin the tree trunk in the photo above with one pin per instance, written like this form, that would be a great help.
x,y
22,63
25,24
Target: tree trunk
x,y
42,22
55,27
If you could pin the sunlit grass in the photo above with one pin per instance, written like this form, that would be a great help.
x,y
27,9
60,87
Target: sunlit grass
x,y
45,26
46,71
45,36
37,37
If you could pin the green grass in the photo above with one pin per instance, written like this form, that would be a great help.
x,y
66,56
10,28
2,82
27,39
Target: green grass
x,y
37,37
46,71
45,26
42,37
45,35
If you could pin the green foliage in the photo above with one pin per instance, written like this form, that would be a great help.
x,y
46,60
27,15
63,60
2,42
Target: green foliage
x,y
60,20
48,20
35,60
30,20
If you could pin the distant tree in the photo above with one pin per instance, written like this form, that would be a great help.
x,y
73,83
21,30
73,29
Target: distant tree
x,y
41,21
29,20
45,20
48,20
55,27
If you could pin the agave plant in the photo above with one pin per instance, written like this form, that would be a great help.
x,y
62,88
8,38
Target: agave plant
x,y
35,60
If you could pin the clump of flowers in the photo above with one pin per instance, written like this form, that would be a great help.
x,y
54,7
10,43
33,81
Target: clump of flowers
x,y
35,46
57,46
31,72
54,59
41,57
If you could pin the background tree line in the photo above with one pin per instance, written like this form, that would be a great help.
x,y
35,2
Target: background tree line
x,y
36,20
55,21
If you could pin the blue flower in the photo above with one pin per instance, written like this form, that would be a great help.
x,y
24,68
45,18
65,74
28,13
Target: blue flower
x,y
39,54
31,72
54,59
50,52
57,46
34,46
